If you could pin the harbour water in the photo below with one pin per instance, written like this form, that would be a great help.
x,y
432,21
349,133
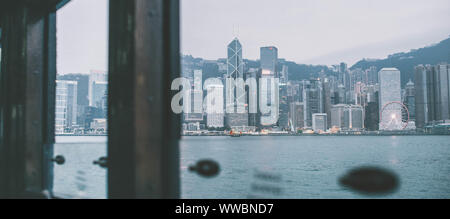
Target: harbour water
x,y
306,167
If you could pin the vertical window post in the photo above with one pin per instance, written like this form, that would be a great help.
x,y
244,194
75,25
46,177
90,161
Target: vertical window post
x,y
27,98
143,154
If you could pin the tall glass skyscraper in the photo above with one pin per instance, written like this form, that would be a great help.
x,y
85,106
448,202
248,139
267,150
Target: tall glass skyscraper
x,y
442,92
269,60
432,91
313,99
236,98
95,77
235,61
390,99
410,100
421,96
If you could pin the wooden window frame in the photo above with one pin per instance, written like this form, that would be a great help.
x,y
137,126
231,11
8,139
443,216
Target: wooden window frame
x,y
144,57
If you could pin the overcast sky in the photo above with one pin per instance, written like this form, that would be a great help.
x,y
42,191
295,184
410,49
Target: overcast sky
x,y
82,36
305,31
313,31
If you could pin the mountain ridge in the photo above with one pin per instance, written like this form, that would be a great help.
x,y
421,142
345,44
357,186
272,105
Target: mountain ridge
x,y
406,61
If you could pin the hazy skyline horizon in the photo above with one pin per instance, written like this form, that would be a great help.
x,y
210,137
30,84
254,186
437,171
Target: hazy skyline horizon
x,y
349,64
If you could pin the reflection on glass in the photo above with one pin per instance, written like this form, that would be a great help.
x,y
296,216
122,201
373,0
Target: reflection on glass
x,y
81,99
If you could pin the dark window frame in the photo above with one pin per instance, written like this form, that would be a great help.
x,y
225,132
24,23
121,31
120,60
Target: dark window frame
x,y
144,57
27,98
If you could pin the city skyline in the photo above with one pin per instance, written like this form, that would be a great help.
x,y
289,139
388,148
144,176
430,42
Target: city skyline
x,y
337,90
332,102
339,101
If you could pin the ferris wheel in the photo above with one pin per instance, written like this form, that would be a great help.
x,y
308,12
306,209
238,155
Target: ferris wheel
x,y
394,116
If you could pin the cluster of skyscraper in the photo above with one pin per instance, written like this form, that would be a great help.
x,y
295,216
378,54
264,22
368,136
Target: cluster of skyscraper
x,y
349,100
81,102
237,116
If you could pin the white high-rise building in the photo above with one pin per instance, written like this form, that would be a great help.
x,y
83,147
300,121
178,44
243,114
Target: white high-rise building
x,y
66,105
347,117
319,122
337,116
390,99
214,106
196,114
354,117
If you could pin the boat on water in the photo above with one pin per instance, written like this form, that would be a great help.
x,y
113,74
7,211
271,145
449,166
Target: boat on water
x,y
235,135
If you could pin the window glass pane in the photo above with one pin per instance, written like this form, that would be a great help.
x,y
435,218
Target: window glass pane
x,y
282,97
81,98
